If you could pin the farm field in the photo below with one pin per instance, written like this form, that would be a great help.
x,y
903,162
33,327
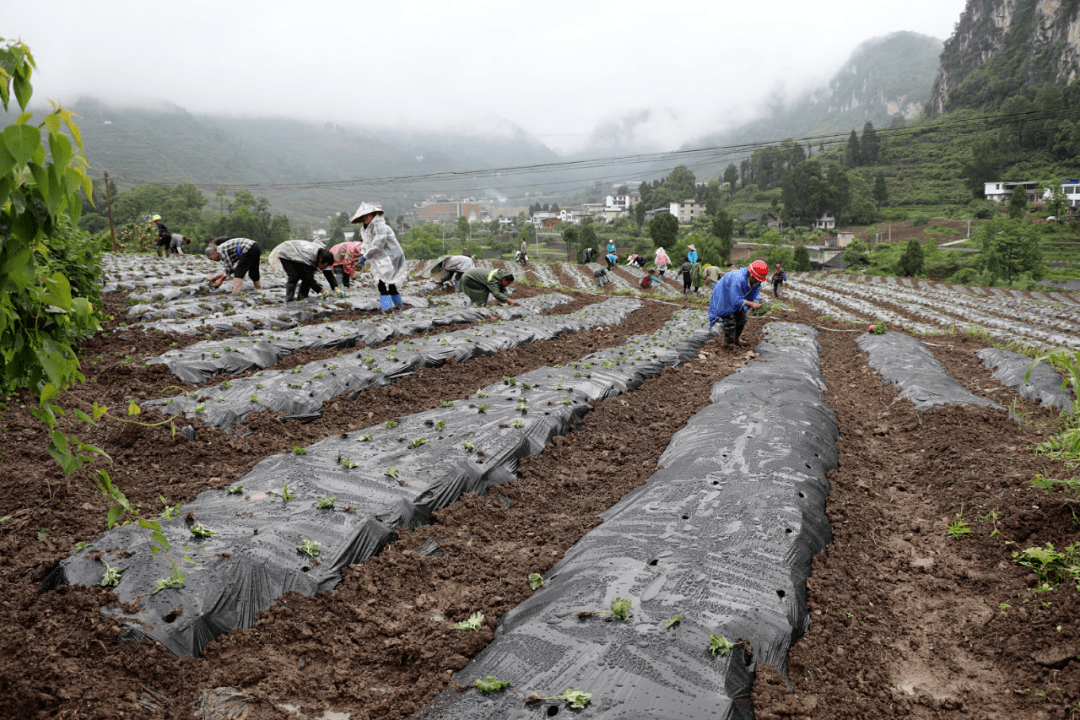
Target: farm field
x,y
821,545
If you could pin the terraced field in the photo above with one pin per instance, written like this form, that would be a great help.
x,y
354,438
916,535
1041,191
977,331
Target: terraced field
x,y
370,512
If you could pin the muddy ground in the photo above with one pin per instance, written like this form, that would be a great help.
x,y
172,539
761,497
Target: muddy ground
x,y
907,622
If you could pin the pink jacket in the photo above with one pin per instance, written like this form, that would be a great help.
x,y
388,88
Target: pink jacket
x,y
662,258
346,255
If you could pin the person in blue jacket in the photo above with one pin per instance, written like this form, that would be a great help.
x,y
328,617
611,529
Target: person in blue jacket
x,y
736,291
612,255
692,255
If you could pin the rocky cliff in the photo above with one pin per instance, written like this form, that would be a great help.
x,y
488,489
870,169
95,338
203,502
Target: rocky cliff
x,y
1000,46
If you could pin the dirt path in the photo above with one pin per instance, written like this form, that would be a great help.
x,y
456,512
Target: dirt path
x,y
908,622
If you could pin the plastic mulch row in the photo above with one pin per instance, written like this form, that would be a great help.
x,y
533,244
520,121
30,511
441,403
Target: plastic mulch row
x,y
1011,368
718,542
381,477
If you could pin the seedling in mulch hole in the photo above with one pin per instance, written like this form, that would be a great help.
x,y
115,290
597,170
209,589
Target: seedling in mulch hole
x,y
674,620
468,445
215,355
174,581
390,424
417,443
259,387
445,403
349,464
200,408
392,472
364,438
482,409
492,684
577,374
720,644
170,511
958,528
327,502
285,494
475,621
254,398
440,424
236,490
310,547
297,450
111,578
297,370
318,375
79,546
332,367
296,385
370,359
201,532
577,698
536,580
227,384
507,380
566,401
518,424
620,609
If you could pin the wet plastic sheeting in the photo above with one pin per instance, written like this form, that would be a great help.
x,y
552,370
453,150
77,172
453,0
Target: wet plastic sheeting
x,y
723,535
905,362
401,475
301,391
1043,385
197,363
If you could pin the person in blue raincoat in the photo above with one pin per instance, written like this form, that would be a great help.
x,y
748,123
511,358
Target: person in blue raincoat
x,y
612,254
736,291
383,251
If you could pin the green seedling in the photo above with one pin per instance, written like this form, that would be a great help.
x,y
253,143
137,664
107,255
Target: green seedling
x,y
79,546
318,375
390,424
536,580
440,424
674,620
446,403
215,355
200,408
578,699
296,385
475,621
365,438
481,394
507,380
349,464
201,532
254,398
174,581
392,472
1051,565
310,548
235,490
285,494
297,370
958,528
417,443
259,387
620,609
227,384
170,511
518,424
369,360
468,445
719,644
111,578
482,409
566,401
297,450
492,684
326,502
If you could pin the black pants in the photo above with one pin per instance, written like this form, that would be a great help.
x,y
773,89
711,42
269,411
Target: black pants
x,y
297,273
734,324
686,282
343,278
448,274
776,288
387,290
249,264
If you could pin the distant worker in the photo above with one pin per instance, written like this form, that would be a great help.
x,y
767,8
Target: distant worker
x,y
299,259
382,250
346,260
662,262
779,277
736,291
164,237
635,259
480,283
697,277
587,255
691,254
453,267
600,274
712,274
177,243
240,256
650,280
612,254
523,254
686,269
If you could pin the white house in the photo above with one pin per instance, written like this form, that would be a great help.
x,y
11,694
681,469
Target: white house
x,y
825,222
687,210
1003,190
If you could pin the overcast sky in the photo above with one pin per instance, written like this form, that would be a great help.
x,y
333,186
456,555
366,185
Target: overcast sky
x,y
672,70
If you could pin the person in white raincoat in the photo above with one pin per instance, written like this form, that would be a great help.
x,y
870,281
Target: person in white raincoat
x,y
299,259
383,251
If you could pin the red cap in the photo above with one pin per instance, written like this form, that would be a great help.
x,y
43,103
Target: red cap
x,y
760,270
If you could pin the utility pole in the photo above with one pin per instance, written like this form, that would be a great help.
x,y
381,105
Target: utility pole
x,y
108,202
969,230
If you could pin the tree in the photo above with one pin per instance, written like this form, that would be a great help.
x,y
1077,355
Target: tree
x,y
983,167
639,213
912,262
570,237
722,228
852,153
623,190
463,227
587,236
801,259
856,253
870,145
1010,247
663,229
863,208
422,245
1018,204
731,176
881,190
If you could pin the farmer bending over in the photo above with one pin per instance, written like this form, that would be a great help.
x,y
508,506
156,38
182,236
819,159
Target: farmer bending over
x,y
600,274
736,291
346,257
453,267
299,259
650,280
240,256
478,284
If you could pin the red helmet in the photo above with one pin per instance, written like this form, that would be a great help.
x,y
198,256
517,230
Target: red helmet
x,y
760,270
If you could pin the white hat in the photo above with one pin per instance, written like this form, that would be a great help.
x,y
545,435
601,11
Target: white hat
x,y
363,210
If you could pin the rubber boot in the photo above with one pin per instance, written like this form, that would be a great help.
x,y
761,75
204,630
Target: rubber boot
x,y
386,303
290,292
396,299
